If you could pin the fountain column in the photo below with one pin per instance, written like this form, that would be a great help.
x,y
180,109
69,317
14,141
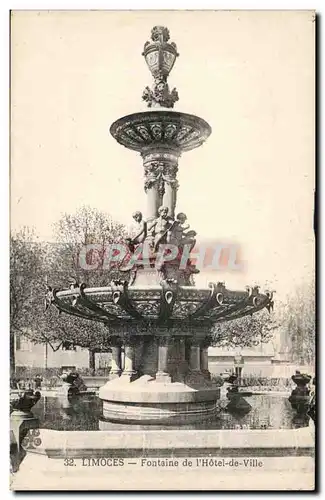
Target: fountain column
x,y
195,375
171,183
129,355
204,360
183,364
160,181
169,199
195,359
162,374
116,364
153,202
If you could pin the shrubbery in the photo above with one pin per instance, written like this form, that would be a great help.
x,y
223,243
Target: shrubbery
x,y
257,383
51,376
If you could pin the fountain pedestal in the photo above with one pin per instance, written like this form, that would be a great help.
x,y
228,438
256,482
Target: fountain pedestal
x,y
164,388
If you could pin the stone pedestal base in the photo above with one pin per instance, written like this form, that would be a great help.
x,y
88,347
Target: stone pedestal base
x,y
196,378
20,423
128,376
149,401
163,377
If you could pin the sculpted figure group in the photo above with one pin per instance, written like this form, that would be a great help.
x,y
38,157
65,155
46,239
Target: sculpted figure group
x,y
162,230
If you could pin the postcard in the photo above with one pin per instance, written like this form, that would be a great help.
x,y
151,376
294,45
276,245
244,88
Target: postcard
x,y
162,251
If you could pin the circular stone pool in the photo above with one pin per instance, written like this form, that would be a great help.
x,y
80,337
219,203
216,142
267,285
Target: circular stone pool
x,y
85,413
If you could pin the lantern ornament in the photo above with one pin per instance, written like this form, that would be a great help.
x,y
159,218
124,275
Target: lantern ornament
x,y
160,57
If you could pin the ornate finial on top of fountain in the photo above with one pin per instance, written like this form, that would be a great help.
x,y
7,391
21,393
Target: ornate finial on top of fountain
x,y
160,57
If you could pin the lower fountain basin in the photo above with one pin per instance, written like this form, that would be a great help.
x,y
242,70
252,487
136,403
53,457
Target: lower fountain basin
x,y
85,414
149,401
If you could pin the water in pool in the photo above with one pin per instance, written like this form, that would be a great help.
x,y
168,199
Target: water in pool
x,y
85,413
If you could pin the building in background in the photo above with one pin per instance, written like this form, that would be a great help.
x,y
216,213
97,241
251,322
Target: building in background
x,y
265,360
42,356
257,361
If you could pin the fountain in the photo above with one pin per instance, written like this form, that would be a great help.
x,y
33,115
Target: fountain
x,y
157,313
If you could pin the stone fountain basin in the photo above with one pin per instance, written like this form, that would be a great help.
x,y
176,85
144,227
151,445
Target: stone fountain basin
x,y
148,390
143,303
150,401
151,129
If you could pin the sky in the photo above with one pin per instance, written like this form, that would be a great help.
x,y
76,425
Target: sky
x,y
250,75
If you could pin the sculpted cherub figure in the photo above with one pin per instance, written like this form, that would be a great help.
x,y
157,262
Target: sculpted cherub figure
x,y
142,225
142,231
161,227
178,233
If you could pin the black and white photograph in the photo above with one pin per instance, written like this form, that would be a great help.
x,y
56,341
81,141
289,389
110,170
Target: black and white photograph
x,y
162,250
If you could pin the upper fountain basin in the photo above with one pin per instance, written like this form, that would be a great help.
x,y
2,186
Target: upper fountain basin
x,y
149,130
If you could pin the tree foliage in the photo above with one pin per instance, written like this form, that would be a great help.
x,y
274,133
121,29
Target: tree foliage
x,y
299,321
26,265
34,264
248,331
27,256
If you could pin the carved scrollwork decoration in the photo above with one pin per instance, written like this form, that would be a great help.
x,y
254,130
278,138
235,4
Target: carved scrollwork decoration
x,y
159,34
231,304
255,295
270,305
64,307
269,294
154,177
168,298
86,302
157,174
75,300
120,297
215,298
219,298
160,94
